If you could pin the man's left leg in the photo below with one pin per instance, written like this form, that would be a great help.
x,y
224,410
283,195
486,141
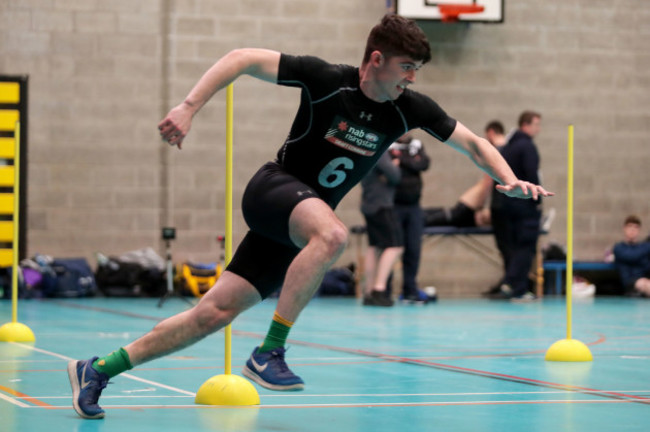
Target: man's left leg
x,y
222,303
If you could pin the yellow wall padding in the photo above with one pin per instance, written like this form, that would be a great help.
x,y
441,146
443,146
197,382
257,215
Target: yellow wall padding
x,y
9,92
6,231
8,119
7,148
6,257
6,203
7,176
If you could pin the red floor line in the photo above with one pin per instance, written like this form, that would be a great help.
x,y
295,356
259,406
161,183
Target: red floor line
x,y
416,404
478,372
362,405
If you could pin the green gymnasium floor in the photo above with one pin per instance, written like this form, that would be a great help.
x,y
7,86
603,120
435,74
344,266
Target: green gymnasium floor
x,y
469,365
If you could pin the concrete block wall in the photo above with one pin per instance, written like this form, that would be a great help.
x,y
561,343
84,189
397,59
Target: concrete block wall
x,y
102,74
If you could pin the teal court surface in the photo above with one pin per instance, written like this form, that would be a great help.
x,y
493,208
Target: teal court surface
x,y
455,365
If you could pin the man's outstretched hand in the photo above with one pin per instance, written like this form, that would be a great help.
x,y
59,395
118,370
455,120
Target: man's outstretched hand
x,y
523,189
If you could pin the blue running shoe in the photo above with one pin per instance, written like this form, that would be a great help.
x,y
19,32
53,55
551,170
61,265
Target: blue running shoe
x,y
87,384
271,371
418,298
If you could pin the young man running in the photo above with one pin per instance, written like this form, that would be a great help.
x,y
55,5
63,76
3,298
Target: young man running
x,y
347,118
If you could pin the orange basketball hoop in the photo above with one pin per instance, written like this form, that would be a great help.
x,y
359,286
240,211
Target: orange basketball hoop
x,y
451,12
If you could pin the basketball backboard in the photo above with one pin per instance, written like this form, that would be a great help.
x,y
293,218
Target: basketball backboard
x,y
429,10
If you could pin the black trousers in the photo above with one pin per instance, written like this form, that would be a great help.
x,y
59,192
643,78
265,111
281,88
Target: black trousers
x,y
516,231
411,220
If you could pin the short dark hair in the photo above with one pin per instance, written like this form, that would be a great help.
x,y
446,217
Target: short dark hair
x,y
633,219
396,36
527,117
496,126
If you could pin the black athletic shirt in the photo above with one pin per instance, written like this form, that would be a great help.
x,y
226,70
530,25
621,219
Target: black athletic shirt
x,y
338,133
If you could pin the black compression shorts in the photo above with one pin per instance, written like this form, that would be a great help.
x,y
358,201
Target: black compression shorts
x,y
262,262
266,252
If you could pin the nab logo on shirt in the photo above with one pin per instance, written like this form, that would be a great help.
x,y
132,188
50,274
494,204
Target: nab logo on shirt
x,y
353,137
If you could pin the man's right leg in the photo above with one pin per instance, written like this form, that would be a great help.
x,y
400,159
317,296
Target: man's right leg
x,y
322,237
230,296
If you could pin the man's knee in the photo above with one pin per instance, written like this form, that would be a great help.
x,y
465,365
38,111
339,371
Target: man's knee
x,y
335,239
210,318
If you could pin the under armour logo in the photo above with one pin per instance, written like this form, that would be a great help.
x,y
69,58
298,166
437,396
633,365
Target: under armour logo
x,y
301,193
365,116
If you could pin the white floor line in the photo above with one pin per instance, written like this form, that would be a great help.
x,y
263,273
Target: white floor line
x,y
104,397
381,404
125,375
13,400
157,384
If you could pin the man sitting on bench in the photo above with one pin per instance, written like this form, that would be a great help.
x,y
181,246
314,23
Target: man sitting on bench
x,y
470,210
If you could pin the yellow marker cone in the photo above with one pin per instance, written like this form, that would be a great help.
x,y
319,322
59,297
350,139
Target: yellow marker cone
x,y
569,350
227,390
16,332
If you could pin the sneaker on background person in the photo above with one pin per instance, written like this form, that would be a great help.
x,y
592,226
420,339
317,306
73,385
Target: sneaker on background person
x,y
527,297
431,292
420,298
378,298
504,293
493,290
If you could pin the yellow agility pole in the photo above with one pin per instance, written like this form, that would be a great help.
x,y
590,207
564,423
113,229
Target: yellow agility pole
x,y
15,331
228,239
569,349
228,389
569,236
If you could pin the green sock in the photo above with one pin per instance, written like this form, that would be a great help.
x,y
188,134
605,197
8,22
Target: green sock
x,y
113,364
277,335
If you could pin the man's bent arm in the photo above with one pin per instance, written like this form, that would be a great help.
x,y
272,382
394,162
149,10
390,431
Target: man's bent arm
x,y
259,63
482,153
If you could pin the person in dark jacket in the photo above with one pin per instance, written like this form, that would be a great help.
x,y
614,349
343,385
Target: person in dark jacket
x,y
632,259
516,224
412,161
